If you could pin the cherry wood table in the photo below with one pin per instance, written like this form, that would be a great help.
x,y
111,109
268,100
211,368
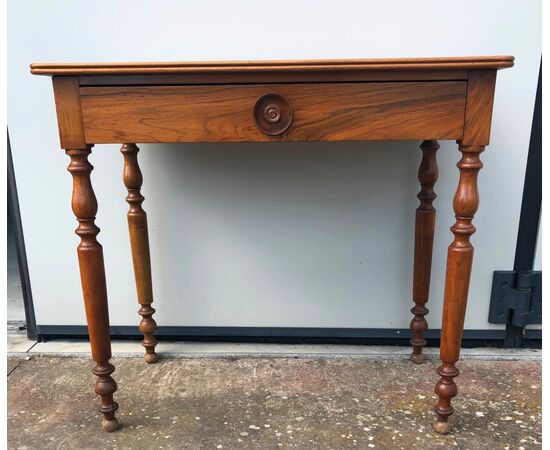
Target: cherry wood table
x,y
423,99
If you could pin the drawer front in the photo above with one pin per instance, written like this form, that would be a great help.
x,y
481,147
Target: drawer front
x,y
239,113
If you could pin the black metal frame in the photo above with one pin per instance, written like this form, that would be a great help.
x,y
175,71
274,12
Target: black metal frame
x,y
370,336
13,205
530,209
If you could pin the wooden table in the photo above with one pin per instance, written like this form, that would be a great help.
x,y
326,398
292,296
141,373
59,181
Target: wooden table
x,y
426,99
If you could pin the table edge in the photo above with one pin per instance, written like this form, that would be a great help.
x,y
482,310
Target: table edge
x,y
332,65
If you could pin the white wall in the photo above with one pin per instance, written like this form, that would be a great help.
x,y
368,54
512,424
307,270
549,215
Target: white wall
x,y
316,235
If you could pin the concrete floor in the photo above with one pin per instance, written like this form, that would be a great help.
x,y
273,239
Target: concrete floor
x,y
269,403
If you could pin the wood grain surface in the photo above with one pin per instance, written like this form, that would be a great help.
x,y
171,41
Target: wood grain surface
x,y
322,112
479,107
69,115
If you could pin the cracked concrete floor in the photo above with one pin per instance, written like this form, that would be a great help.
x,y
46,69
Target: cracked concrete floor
x,y
246,403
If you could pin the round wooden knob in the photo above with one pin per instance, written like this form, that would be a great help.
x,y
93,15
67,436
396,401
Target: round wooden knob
x,y
273,114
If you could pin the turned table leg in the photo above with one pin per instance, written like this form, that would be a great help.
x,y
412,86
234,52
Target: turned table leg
x,y
423,243
139,241
94,288
459,265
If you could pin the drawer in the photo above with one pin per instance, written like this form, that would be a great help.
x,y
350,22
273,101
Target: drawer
x,y
274,112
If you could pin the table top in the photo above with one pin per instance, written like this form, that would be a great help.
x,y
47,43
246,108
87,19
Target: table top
x,y
332,65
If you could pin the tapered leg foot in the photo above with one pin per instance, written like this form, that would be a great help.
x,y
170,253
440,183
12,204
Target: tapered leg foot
x,y
105,387
442,427
110,425
418,327
151,358
446,390
147,327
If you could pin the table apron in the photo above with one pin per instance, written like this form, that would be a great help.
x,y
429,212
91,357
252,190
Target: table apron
x,y
321,112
